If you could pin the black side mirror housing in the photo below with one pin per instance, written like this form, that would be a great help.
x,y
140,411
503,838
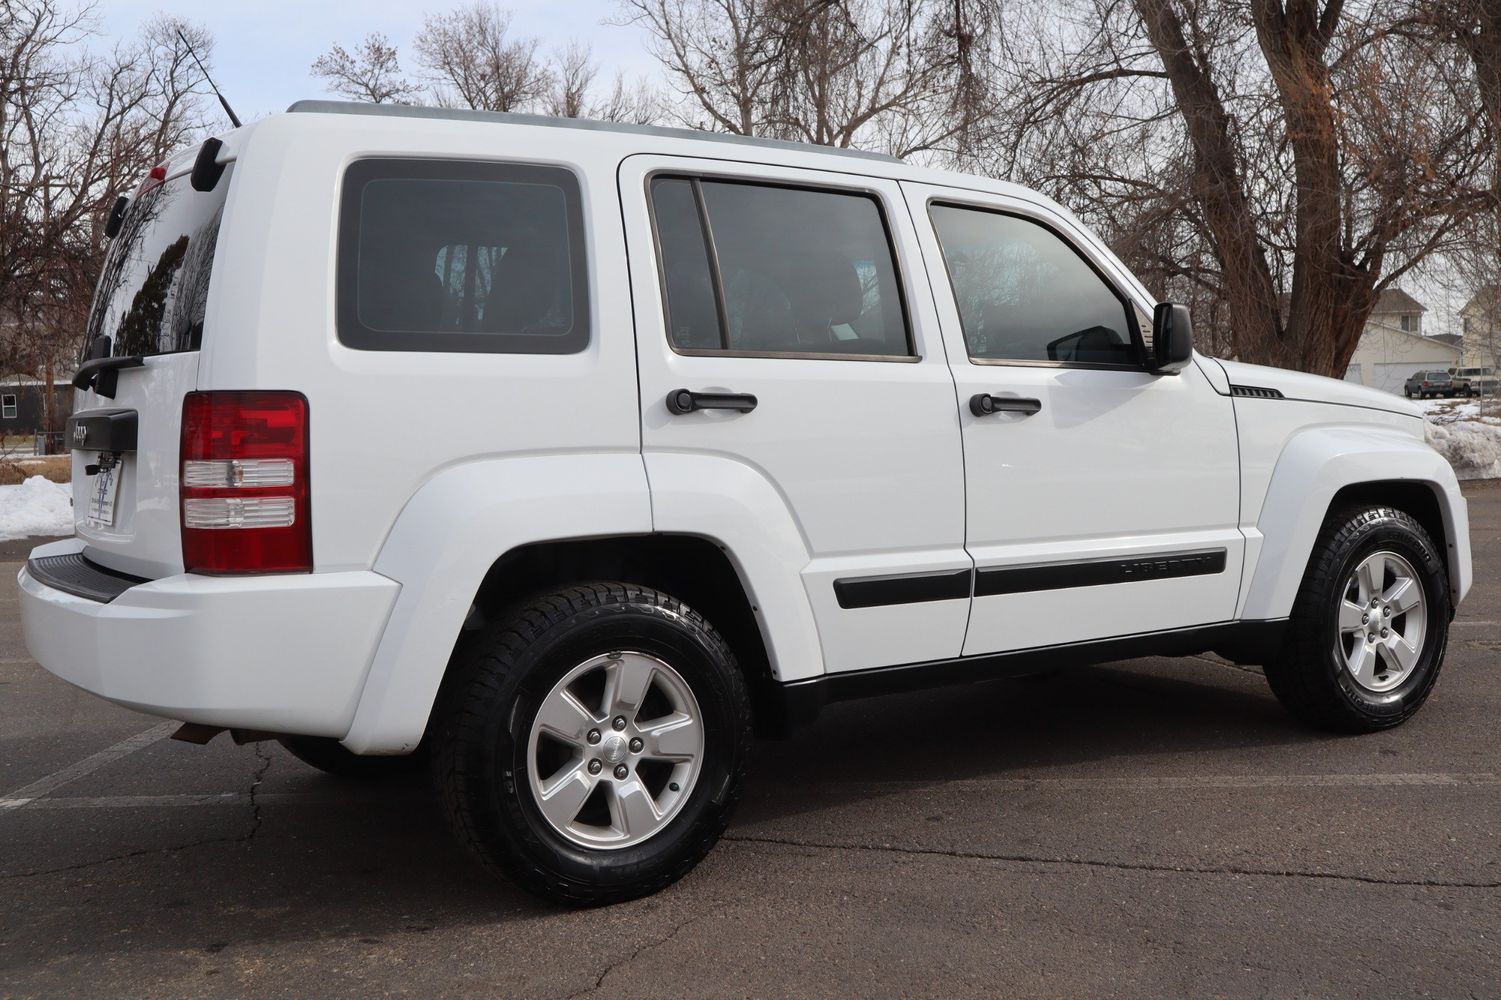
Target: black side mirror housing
x,y
1172,338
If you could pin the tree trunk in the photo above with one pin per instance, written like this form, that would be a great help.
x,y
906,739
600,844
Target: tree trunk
x,y
1250,295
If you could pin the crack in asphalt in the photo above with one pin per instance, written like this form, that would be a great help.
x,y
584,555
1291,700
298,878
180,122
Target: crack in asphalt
x,y
139,852
1115,865
255,783
599,980
262,766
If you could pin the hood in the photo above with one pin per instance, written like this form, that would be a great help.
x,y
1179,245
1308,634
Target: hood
x,y
1316,388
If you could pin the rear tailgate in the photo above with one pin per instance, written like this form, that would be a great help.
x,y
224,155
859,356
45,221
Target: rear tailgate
x,y
151,302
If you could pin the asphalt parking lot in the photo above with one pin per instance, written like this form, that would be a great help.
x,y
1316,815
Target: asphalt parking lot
x,y
1147,829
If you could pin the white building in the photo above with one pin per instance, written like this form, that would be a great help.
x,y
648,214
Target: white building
x,y
1393,347
1482,328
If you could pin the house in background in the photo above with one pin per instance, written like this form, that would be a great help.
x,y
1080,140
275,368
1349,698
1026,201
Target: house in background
x,y
1393,347
1481,317
23,405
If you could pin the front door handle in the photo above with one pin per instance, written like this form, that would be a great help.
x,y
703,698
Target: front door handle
x,y
982,404
682,401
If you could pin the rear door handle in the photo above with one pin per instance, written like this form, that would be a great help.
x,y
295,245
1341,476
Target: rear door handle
x,y
982,404
682,401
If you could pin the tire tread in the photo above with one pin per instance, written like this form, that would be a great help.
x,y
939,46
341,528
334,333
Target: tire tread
x,y
481,672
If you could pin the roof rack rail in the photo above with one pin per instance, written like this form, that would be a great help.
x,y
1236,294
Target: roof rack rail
x,y
586,124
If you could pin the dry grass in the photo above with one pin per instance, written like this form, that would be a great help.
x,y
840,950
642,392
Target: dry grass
x,y
58,468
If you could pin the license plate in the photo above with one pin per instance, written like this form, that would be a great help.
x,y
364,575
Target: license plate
x,y
101,512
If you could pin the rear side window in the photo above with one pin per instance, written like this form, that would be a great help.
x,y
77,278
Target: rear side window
x,y
1024,294
153,288
763,269
462,256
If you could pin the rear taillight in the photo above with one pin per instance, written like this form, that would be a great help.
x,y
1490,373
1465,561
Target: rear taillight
x,y
244,481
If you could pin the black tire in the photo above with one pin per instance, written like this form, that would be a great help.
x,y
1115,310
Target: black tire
x,y
1309,676
497,679
332,757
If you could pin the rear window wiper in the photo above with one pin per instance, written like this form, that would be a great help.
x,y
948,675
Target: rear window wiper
x,y
103,374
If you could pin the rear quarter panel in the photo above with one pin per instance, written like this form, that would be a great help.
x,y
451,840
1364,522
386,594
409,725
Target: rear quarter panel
x,y
383,423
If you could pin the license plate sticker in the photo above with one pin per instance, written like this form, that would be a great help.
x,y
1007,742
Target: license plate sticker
x,y
101,512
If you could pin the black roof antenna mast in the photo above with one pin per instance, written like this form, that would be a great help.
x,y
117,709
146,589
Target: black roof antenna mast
x,y
233,118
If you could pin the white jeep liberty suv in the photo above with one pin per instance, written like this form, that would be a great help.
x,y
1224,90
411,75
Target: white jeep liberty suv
x,y
569,453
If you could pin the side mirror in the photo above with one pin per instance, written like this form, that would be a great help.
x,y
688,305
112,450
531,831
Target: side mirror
x,y
1172,337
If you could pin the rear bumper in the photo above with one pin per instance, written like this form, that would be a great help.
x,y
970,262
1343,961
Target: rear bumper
x,y
285,653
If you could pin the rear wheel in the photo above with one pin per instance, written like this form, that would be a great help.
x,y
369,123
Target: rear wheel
x,y
591,747
1369,626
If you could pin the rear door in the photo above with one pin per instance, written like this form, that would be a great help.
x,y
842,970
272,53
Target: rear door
x,y
151,301
795,300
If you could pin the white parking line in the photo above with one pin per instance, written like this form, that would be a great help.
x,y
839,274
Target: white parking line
x,y
1179,782
52,782
1140,783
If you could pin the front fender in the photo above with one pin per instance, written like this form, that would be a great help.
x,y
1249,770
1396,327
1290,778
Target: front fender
x,y
1316,464
444,542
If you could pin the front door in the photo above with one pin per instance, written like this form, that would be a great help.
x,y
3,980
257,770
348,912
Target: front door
x,y
792,374
1102,499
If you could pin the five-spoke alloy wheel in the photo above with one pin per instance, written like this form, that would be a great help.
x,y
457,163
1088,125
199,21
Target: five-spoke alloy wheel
x,y
591,745
1382,621
1369,625
615,749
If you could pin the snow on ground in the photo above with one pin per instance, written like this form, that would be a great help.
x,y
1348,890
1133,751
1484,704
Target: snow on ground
x,y
1467,433
36,507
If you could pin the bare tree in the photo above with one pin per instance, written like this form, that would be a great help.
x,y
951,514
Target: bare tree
x,y
371,73
471,61
634,102
899,74
572,79
77,128
1283,161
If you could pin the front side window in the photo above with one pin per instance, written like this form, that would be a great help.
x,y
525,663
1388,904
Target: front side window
x,y
1024,294
462,256
764,269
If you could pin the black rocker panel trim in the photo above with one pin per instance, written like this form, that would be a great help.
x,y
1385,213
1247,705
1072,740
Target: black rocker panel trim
x,y
911,588
1242,642
1096,572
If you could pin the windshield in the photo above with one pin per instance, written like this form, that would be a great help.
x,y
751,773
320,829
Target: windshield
x,y
153,289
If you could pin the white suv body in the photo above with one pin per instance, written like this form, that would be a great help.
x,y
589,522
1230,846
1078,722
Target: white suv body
x,y
863,527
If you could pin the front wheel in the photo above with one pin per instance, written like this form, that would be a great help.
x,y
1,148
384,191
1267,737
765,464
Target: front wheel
x,y
592,747
1369,625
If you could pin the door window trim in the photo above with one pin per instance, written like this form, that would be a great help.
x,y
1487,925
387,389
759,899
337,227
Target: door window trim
x,y
1128,304
696,177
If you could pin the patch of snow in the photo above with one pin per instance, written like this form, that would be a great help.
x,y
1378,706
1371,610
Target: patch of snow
x,y
36,507
1453,409
1473,447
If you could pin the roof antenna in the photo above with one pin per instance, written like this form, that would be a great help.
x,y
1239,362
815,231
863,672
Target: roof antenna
x,y
233,118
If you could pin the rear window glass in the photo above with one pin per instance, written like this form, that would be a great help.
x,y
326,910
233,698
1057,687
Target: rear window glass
x,y
772,270
153,289
460,256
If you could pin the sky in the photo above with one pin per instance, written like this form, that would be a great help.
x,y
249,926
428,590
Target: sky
x,y
262,50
